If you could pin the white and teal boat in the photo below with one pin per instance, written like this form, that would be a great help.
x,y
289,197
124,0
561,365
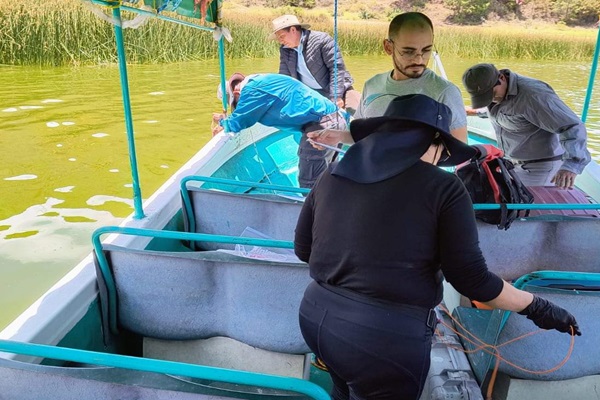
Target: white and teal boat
x,y
195,295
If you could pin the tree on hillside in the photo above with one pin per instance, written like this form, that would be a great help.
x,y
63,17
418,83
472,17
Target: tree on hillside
x,y
571,12
468,11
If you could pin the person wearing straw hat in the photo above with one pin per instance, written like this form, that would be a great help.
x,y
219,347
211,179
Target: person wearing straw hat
x,y
377,261
283,102
308,56
543,137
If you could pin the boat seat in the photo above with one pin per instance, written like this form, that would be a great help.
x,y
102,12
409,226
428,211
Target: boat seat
x,y
555,195
535,245
529,246
223,213
547,349
542,351
200,295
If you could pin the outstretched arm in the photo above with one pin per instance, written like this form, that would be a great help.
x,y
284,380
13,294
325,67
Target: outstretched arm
x,y
543,313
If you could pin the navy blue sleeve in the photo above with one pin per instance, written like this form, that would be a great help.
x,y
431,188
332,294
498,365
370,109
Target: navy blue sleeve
x,y
303,235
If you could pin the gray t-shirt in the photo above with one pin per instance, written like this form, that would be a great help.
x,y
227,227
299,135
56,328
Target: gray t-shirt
x,y
379,91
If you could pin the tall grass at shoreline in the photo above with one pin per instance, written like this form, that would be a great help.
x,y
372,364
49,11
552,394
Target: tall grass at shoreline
x,y
65,32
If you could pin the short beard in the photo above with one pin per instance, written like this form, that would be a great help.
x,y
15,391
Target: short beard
x,y
409,74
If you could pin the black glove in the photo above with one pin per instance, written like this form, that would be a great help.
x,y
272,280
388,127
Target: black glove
x,y
550,316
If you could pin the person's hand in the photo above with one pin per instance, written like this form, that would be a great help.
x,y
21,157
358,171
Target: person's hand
x,y
470,111
330,137
564,179
217,117
215,126
340,103
216,129
550,316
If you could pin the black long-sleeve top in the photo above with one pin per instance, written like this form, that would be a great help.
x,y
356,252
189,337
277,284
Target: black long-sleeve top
x,y
389,240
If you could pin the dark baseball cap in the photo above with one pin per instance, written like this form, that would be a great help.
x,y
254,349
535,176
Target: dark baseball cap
x,y
479,80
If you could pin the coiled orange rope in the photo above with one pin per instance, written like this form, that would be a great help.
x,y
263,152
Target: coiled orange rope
x,y
494,350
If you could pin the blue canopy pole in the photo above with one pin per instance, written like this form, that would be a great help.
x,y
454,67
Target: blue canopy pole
x,y
335,50
223,79
588,95
137,193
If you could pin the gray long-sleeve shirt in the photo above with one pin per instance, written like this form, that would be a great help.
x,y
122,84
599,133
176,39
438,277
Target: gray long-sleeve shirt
x,y
533,123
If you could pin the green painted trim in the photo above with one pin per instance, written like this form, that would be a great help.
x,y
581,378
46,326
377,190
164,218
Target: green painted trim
x,y
85,335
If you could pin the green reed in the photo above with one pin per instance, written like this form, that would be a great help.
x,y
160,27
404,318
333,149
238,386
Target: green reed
x,y
65,32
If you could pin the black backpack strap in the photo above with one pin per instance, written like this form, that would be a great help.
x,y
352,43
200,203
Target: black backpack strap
x,y
504,220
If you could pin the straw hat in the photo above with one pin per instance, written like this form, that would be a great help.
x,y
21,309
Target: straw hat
x,y
285,21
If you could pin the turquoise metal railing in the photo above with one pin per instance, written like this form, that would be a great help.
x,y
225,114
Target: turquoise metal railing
x,y
590,87
534,206
137,193
561,276
187,203
107,273
556,275
223,78
167,367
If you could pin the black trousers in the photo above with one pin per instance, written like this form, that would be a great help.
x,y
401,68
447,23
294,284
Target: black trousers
x,y
372,350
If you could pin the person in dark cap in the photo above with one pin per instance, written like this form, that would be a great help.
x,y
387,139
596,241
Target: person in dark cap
x,y
282,102
543,137
377,261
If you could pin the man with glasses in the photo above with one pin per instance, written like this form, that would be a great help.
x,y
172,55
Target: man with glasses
x,y
410,43
543,137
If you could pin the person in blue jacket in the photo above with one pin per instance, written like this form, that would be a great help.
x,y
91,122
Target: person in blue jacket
x,y
283,102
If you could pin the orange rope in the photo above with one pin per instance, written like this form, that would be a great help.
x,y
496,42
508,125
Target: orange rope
x,y
494,350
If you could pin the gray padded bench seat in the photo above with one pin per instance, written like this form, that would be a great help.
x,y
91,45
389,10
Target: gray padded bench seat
x,y
547,349
535,245
199,295
530,246
542,351
223,213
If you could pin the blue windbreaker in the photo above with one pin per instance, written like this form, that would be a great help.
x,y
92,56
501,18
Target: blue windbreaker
x,y
279,101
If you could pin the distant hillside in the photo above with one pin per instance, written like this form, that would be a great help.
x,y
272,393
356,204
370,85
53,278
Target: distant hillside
x,y
453,12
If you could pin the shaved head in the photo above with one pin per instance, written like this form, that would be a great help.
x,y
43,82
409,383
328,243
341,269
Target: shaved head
x,y
409,20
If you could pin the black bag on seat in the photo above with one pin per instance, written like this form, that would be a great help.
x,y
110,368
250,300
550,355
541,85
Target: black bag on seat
x,y
490,178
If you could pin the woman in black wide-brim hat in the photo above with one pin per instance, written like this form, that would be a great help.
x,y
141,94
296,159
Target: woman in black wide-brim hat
x,y
378,230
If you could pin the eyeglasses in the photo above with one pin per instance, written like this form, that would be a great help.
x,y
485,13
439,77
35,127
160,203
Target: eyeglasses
x,y
410,54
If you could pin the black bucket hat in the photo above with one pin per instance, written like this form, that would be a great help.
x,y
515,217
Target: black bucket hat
x,y
398,139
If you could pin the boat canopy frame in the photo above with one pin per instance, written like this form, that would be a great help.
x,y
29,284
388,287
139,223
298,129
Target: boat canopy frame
x,y
116,6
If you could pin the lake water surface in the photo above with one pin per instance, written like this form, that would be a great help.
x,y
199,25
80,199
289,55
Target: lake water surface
x,y
65,166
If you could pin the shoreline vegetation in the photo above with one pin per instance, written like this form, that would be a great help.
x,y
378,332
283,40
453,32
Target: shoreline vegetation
x,y
66,33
